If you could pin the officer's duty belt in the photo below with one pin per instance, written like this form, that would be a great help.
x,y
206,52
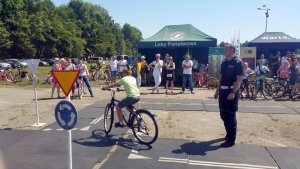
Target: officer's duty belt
x,y
226,87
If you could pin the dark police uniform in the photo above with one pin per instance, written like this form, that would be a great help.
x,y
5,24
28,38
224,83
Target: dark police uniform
x,y
229,71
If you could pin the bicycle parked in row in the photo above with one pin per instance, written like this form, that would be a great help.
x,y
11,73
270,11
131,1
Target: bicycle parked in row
x,y
6,75
23,74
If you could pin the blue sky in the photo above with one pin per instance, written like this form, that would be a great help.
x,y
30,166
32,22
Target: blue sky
x,y
213,17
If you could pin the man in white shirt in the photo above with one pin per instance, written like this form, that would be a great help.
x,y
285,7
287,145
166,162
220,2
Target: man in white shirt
x,y
122,64
113,67
187,65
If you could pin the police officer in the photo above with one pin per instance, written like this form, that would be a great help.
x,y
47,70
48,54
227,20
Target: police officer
x,y
232,72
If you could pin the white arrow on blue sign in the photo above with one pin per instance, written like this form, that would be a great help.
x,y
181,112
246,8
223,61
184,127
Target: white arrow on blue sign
x,y
66,115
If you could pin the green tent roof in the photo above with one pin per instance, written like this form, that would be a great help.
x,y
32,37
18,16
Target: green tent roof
x,y
178,36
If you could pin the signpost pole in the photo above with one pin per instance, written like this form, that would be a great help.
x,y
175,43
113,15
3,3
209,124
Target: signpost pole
x,y
65,109
35,97
69,142
33,64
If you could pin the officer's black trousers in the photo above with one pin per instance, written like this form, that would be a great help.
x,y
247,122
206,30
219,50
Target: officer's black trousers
x,y
228,110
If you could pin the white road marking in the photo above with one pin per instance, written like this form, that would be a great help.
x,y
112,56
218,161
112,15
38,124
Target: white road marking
x,y
278,144
214,164
261,106
48,129
185,104
97,121
238,165
211,105
75,129
134,151
153,103
173,160
59,129
136,156
85,128
94,120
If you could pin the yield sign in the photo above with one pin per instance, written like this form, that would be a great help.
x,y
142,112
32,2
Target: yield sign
x,y
66,79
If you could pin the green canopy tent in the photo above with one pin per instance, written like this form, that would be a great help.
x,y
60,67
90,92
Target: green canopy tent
x,y
177,40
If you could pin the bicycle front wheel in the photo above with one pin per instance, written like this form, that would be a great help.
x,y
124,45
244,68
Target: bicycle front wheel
x,y
268,91
108,118
145,128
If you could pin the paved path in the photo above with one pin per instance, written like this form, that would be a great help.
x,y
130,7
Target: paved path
x,y
47,148
265,107
173,154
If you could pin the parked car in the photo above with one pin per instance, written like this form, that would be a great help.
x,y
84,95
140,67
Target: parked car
x,y
16,63
43,63
24,64
13,63
50,62
4,65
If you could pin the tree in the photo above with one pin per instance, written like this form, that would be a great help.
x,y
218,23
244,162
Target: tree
x,y
36,28
223,44
132,36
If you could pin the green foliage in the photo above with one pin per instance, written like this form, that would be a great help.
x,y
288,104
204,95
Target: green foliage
x,y
36,28
131,35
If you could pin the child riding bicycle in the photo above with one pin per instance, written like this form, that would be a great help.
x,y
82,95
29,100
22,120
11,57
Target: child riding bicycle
x,y
132,94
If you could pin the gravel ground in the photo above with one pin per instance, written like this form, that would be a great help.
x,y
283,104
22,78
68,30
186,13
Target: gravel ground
x,y
18,112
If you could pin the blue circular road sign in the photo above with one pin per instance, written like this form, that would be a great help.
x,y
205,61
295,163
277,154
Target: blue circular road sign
x,y
66,115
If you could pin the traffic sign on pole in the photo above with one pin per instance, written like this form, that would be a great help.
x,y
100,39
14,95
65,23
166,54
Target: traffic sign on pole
x,y
66,79
33,64
66,115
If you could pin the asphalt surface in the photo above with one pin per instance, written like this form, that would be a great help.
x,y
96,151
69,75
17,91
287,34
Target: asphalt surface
x,y
47,148
167,153
245,106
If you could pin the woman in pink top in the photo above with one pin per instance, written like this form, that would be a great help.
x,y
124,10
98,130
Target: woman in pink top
x,y
56,67
283,72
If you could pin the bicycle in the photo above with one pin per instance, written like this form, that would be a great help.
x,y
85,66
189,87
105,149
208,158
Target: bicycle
x,y
48,79
141,121
80,87
282,90
265,88
98,73
21,74
6,75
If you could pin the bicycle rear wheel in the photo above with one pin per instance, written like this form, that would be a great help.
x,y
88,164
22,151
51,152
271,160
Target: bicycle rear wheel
x,y
144,128
280,91
252,90
108,118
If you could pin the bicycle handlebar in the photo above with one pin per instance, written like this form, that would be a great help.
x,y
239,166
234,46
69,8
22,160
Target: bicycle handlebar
x,y
113,89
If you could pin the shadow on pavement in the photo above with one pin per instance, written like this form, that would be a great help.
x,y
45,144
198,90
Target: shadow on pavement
x,y
200,148
49,98
100,139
